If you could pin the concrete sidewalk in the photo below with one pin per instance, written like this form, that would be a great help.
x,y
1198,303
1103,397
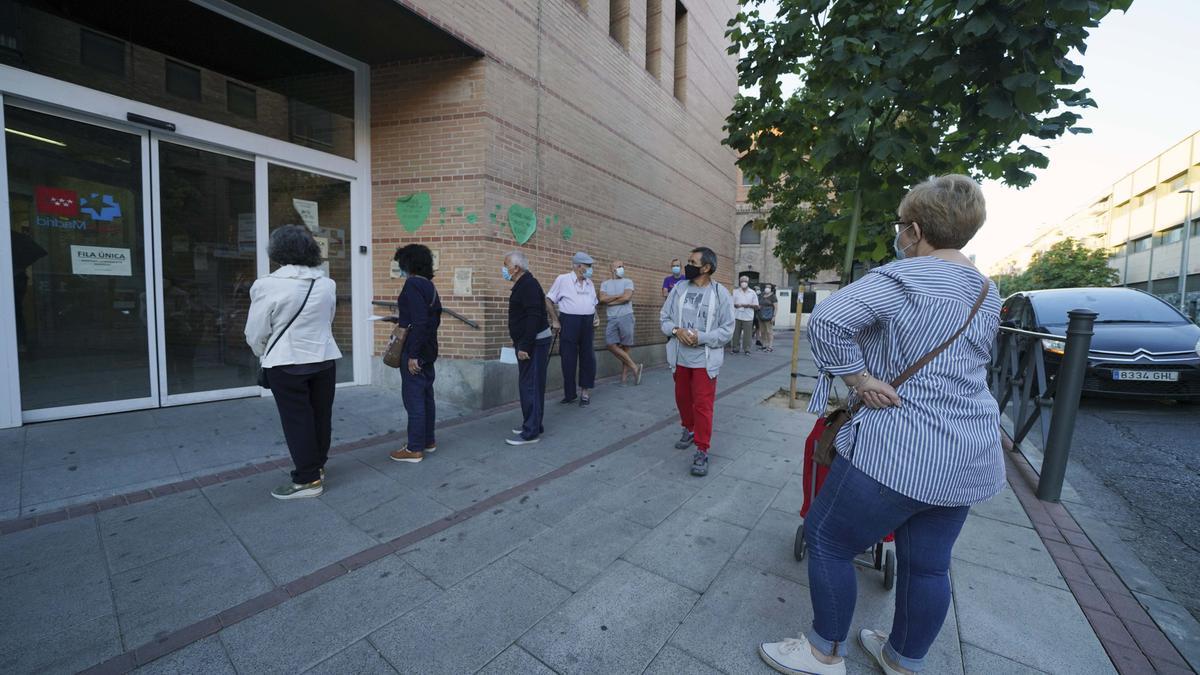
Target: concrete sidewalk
x,y
593,551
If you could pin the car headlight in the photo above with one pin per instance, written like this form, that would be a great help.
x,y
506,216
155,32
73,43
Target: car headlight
x,y
1056,346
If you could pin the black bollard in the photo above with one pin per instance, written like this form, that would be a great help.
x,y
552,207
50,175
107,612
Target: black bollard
x,y
1066,404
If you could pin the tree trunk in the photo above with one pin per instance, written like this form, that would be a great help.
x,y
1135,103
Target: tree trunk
x,y
852,239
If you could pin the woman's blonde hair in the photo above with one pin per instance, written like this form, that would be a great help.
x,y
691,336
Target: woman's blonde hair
x,y
950,209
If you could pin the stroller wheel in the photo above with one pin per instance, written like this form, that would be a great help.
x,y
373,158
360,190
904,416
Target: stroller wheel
x,y
889,570
800,547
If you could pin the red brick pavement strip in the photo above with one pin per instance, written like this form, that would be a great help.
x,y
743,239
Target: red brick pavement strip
x,y
1132,640
167,643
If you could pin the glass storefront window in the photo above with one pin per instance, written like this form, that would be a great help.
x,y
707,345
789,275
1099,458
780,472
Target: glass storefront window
x,y
162,52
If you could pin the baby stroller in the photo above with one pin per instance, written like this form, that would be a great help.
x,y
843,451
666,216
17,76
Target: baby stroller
x,y
813,477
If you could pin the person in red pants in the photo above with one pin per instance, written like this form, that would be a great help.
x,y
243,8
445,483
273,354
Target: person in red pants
x,y
698,319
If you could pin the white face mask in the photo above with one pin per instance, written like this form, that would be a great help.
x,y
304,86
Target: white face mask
x,y
620,272
745,285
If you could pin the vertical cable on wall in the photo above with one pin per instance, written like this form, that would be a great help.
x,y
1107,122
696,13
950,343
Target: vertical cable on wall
x,y
537,123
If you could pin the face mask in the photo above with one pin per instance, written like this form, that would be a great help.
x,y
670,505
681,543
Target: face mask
x,y
505,273
675,270
620,272
901,252
587,273
745,285
766,291
403,274
691,272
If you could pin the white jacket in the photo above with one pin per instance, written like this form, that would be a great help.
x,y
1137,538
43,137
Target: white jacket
x,y
274,301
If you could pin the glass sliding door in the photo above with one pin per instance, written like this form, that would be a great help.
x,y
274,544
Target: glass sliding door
x,y
322,203
79,242
207,238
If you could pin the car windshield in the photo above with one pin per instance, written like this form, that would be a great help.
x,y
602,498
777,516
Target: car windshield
x,y
1110,307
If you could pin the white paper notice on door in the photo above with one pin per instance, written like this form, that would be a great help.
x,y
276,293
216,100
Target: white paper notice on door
x,y
308,213
101,261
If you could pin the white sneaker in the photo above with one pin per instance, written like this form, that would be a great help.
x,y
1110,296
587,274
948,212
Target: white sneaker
x,y
520,441
873,641
793,656
518,430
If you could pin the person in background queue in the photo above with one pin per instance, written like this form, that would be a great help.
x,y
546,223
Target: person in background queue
x,y
529,329
571,304
617,294
421,310
698,320
673,278
767,303
289,327
745,302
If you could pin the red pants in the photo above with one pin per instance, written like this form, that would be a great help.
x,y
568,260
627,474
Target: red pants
x,y
695,393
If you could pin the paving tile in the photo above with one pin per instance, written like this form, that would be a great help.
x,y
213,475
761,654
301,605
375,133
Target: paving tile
x,y
770,547
982,662
1004,614
688,548
140,533
791,496
1004,507
462,550
580,547
94,477
515,661
734,501
360,658
304,631
70,650
1127,608
760,467
206,656
672,661
616,625
1016,550
487,611
549,503
627,464
1152,642
648,500
271,529
1130,661
406,511
173,592
467,486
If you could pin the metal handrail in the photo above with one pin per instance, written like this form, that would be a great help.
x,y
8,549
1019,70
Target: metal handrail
x,y
392,305
1031,395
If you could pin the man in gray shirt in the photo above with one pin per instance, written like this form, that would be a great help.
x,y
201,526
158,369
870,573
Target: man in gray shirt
x,y
617,295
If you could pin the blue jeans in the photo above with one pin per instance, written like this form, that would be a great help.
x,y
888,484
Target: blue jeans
x,y
853,511
575,347
417,392
532,384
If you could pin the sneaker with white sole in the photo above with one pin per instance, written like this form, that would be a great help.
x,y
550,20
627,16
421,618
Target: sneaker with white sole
x,y
521,441
873,641
685,441
406,455
298,490
793,656
518,430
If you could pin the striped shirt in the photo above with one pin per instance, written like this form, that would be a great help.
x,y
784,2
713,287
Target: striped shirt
x,y
942,445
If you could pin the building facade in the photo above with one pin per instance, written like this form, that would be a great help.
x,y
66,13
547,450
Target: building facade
x,y
1144,219
151,148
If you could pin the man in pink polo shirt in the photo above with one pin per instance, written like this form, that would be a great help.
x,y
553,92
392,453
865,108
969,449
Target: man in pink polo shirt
x,y
571,303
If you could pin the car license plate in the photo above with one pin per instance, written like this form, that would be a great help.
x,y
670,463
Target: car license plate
x,y
1146,375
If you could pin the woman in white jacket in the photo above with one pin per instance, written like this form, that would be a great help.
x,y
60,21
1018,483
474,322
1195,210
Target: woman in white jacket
x,y
289,327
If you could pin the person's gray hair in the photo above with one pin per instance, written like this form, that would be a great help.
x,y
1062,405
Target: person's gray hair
x,y
707,257
949,210
294,245
518,258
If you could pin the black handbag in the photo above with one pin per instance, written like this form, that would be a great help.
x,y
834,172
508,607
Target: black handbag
x,y
262,373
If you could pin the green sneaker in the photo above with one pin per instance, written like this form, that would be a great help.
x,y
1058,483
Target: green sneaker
x,y
296,491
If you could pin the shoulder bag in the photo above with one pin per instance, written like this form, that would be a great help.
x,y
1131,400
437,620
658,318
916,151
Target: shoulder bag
x,y
393,355
833,422
262,375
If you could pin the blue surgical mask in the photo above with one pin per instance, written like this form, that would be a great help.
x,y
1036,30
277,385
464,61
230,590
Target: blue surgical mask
x,y
587,273
901,252
675,270
620,272
403,274
505,273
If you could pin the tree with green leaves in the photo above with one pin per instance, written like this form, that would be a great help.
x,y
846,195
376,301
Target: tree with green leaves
x,y
1068,264
893,92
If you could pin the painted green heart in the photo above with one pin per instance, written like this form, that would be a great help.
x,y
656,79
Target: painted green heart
x,y
413,210
567,233
523,222
471,218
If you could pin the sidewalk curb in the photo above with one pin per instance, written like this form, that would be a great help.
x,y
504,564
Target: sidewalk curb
x,y
1175,622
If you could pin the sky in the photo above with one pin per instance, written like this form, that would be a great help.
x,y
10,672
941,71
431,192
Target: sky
x,y
1144,72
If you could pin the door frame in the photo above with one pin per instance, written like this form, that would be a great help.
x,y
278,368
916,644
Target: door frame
x,y
69,100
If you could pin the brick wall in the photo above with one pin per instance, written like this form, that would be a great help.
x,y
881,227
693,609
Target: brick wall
x,y
565,121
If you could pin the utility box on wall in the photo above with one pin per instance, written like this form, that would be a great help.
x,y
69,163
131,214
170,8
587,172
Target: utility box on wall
x,y
785,317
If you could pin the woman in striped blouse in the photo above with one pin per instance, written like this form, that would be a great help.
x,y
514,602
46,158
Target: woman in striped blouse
x,y
911,461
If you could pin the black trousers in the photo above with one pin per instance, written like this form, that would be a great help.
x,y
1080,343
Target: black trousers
x,y
305,404
532,385
575,349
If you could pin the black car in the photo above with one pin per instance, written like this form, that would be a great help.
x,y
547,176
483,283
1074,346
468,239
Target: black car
x,y
1142,346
